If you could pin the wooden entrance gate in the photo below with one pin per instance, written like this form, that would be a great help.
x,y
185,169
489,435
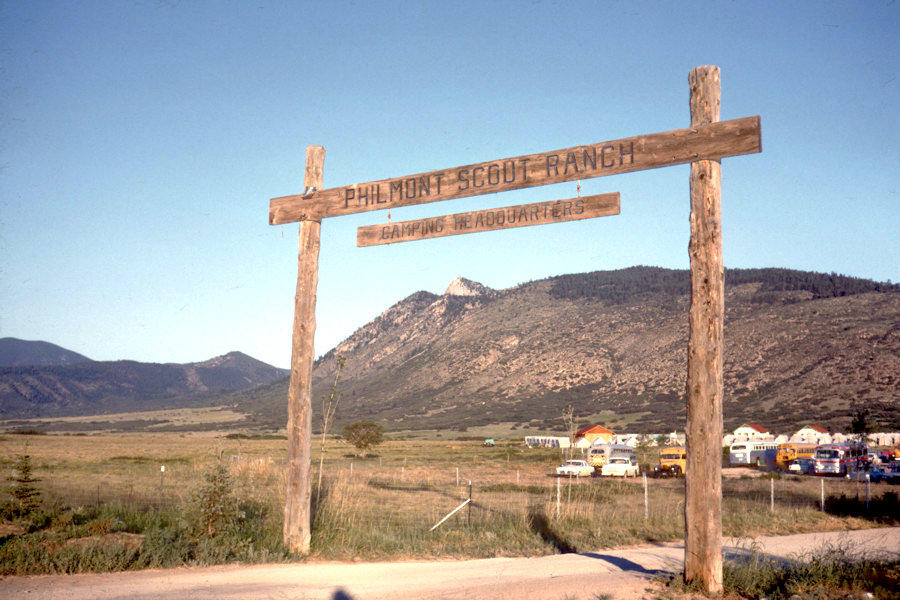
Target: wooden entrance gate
x,y
703,145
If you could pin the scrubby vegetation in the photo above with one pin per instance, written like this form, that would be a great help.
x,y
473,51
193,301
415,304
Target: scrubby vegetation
x,y
832,572
214,526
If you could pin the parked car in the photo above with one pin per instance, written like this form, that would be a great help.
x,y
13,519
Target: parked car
x,y
876,474
575,468
803,466
892,474
619,467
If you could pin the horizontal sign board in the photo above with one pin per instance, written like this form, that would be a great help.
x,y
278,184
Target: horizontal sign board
x,y
523,215
707,142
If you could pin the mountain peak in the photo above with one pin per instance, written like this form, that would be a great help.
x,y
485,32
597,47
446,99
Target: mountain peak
x,y
465,287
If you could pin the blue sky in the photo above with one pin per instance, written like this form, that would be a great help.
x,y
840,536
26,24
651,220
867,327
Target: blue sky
x,y
140,143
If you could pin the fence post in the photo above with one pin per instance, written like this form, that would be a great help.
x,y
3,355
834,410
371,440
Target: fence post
x,y
646,502
469,509
867,491
557,496
823,495
772,496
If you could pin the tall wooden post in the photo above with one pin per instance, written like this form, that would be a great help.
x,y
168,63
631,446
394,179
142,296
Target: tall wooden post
x,y
297,525
705,388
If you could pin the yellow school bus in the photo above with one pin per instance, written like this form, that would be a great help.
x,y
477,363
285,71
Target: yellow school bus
x,y
792,451
672,461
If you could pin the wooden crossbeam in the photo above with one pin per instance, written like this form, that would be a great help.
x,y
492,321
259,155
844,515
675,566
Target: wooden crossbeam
x,y
707,142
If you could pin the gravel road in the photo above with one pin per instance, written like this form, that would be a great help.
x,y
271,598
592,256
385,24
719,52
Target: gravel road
x,y
624,573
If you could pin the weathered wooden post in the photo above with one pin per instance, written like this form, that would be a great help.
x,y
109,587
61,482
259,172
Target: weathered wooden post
x,y
705,388
297,525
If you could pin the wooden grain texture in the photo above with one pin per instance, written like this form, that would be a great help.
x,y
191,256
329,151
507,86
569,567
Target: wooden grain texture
x,y
705,388
494,219
707,142
297,521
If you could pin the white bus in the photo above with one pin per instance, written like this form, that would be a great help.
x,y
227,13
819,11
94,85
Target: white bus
x,y
753,453
546,441
841,459
600,454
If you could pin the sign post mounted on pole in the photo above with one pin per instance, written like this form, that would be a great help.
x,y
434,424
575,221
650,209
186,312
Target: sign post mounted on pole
x,y
705,387
703,145
298,493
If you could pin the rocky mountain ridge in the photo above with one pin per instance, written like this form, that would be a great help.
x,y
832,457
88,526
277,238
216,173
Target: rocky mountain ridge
x,y
799,348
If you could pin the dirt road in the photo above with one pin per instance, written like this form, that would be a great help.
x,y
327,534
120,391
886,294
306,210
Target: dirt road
x,y
622,573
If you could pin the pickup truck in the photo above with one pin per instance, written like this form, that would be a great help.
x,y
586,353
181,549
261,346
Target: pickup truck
x,y
619,467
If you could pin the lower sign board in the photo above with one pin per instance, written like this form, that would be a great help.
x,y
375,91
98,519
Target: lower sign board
x,y
523,215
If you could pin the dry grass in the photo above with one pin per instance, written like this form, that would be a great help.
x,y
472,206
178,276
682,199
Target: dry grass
x,y
173,417
385,505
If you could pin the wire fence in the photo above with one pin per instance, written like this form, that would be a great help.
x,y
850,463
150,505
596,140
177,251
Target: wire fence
x,y
399,494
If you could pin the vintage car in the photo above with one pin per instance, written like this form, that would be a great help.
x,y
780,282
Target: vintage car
x,y
575,468
619,467
802,466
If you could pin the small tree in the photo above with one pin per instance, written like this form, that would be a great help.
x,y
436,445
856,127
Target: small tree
x,y
862,425
645,450
215,500
27,495
363,436
568,417
329,407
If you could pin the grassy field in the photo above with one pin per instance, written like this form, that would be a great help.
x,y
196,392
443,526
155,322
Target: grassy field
x,y
108,504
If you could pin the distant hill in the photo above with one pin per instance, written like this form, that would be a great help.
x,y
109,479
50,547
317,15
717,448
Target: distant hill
x,y
97,387
801,348
17,353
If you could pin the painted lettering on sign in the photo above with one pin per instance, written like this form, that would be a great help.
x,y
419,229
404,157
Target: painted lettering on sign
x,y
491,175
523,215
527,214
412,229
501,175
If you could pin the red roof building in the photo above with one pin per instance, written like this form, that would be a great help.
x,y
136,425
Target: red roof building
x,y
592,433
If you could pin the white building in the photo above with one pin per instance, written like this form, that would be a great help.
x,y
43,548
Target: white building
x,y
751,431
812,434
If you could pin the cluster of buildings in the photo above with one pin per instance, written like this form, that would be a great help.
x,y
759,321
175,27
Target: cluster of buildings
x,y
598,434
